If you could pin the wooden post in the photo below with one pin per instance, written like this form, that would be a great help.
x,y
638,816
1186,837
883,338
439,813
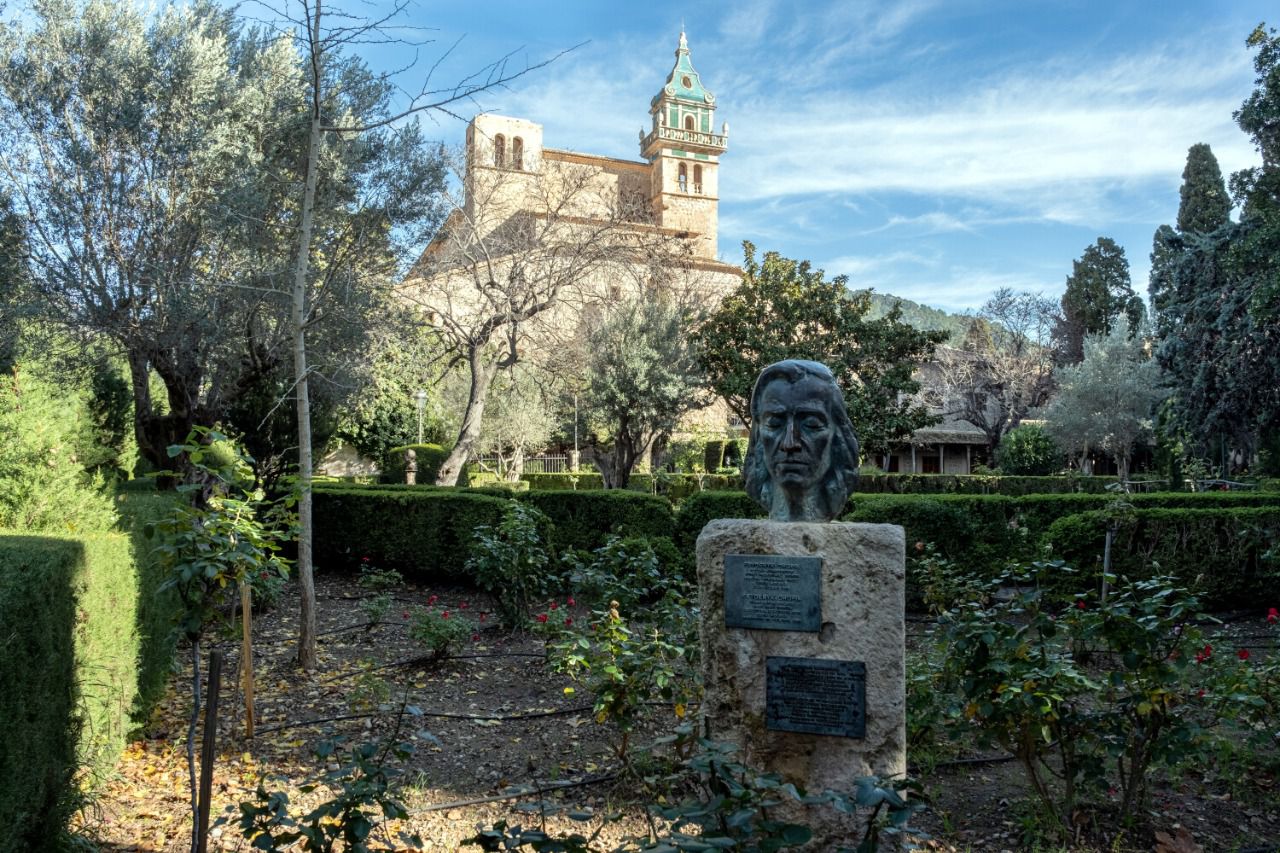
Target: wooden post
x,y
207,749
246,656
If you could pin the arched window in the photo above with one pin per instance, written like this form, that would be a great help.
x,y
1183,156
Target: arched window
x,y
517,153
499,151
688,123
697,179
683,178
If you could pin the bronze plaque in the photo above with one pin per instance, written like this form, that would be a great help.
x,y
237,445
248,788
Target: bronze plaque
x,y
773,592
816,696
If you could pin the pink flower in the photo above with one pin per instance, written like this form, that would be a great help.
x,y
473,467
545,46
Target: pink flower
x,y
573,603
1243,654
554,605
542,617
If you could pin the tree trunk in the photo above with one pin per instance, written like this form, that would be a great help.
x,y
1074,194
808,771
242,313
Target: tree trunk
x,y
306,578
482,372
155,433
516,467
617,462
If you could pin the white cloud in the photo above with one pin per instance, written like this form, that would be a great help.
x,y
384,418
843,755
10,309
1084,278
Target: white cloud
x,y
935,222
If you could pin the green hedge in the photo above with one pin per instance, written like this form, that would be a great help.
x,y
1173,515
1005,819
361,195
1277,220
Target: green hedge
x,y
674,487
158,611
423,532
980,533
700,508
585,520
1219,552
68,653
430,458
980,484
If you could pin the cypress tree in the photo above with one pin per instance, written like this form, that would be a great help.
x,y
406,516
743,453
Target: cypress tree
x,y
1205,204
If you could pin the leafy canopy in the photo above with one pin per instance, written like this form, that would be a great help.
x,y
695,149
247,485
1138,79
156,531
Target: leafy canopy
x,y
784,309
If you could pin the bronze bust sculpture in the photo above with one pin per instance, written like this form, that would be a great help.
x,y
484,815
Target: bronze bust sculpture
x,y
802,455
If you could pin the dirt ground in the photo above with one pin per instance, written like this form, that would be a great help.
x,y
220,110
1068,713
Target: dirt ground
x,y
495,719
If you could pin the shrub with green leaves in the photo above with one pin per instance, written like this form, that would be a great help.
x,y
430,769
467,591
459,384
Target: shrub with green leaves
x,y
43,487
1028,450
346,821
1094,693
511,562
710,801
631,571
624,667
440,633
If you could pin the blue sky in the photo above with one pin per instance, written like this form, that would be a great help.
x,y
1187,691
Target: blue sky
x,y
932,150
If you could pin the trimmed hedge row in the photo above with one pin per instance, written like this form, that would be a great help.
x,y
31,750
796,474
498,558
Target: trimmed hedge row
x,y
68,675
980,533
429,457
157,610
422,532
674,487
585,520
1218,552
980,484
428,532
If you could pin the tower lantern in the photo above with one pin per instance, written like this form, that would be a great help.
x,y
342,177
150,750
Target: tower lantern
x,y
684,151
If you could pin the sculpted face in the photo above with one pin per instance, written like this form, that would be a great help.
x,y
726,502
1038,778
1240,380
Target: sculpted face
x,y
796,433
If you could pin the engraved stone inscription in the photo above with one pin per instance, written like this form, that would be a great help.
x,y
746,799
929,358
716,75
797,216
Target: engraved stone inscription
x,y
773,592
815,696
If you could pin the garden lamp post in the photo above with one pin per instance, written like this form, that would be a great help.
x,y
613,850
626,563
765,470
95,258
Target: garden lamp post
x,y
421,397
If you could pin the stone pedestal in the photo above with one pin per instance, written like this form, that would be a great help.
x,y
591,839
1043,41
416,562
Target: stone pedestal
x,y
862,584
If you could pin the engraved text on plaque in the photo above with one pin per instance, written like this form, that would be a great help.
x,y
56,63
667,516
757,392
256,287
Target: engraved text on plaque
x,y
816,696
772,592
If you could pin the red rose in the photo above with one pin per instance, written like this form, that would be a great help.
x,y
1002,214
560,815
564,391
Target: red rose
x,y
573,603
1080,604
1273,616
1200,693
542,617
1243,654
444,615
433,599
475,638
484,616
554,605
462,605
568,621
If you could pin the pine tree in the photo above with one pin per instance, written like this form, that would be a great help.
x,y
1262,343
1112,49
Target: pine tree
x,y
1098,291
1205,204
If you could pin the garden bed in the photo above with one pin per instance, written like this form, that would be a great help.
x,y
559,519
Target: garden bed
x,y
495,719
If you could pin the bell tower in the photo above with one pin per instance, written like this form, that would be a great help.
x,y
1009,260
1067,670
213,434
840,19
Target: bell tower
x,y
684,151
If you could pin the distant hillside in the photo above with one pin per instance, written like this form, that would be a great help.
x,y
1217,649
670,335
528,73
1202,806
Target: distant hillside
x,y
920,316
